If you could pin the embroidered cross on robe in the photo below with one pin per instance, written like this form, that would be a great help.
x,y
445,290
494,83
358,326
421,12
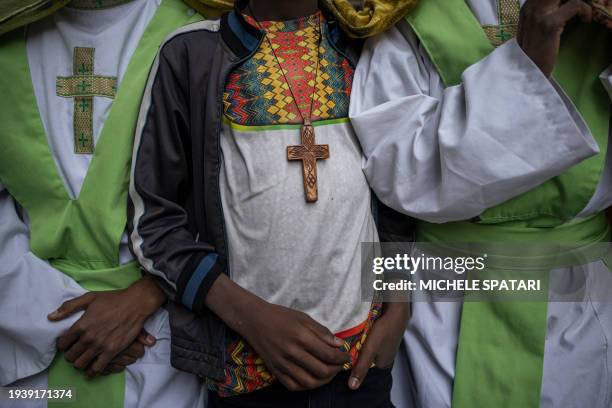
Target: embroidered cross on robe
x,y
83,85
308,152
509,12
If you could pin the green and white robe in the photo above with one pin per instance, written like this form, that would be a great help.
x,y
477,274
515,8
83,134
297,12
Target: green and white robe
x,y
72,84
445,144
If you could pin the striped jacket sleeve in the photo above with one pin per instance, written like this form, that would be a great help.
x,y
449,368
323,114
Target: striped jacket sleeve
x,y
162,235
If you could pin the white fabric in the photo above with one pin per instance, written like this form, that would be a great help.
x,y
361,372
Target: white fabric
x,y
465,148
150,382
301,255
29,287
603,195
114,33
29,290
417,164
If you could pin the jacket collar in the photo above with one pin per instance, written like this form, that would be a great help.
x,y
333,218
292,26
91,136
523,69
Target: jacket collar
x,y
244,39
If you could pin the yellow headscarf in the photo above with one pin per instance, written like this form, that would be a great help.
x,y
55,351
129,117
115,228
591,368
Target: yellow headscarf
x,y
375,17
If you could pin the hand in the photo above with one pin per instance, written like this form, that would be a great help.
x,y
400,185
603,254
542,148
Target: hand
x,y
382,342
601,16
299,352
540,27
129,356
110,324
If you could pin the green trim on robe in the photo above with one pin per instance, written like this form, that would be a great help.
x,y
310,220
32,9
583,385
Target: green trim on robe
x,y
455,40
80,237
501,344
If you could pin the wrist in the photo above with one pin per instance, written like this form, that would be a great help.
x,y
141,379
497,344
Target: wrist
x,y
238,308
150,295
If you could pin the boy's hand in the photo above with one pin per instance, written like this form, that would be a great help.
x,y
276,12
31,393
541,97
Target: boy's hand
x,y
382,342
111,323
298,351
602,12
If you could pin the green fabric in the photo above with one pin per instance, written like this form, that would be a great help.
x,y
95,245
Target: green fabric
x,y
81,236
17,13
501,344
454,39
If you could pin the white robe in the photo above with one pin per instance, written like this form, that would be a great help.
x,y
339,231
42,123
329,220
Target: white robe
x,y
29,287
445,154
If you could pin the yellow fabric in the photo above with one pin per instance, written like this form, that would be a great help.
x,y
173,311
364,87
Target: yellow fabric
x,y
210,8
17,13
375,17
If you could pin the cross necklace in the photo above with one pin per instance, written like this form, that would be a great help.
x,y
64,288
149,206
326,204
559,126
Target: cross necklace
x,y
308,151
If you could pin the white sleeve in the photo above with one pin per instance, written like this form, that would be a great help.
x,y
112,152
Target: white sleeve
x,y
29,290
606,79
445,154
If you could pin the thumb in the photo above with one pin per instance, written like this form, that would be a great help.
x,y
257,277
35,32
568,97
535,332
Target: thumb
x,y
71,306
146,339
361,367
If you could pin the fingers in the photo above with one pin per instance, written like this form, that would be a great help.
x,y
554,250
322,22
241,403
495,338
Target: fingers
x,y
67,339
136,350
324,352
72,354
295,378
123,360
314,366
85,359
323,333
113,369
100,364
146,339
71,306
571,9
288,382
360,369
127,357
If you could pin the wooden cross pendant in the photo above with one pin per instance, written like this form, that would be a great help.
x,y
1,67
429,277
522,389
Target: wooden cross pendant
x,y
308,152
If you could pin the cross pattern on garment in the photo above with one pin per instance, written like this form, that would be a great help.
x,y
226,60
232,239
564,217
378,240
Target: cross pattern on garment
x,y
83,85
508,12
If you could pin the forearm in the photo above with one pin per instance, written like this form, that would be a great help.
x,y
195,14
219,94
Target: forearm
x,y
149,294
233,304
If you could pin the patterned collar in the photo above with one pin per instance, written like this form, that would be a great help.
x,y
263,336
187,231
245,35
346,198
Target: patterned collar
x,y
243,38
